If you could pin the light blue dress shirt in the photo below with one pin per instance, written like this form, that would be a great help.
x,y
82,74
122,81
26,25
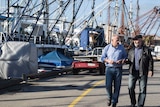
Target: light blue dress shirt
x,y
114,53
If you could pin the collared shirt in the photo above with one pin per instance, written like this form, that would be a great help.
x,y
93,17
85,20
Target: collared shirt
x,y
114,53
137,53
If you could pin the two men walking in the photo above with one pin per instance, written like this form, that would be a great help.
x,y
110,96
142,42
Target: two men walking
x,y
140,63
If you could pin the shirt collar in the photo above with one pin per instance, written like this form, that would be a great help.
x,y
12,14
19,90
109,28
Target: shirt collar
x,y
114,47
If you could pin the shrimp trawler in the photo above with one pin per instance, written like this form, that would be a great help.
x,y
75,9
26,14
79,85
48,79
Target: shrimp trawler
x,y
69,25
59,23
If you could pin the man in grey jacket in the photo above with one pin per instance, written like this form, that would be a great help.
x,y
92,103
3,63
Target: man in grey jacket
x,y
141,66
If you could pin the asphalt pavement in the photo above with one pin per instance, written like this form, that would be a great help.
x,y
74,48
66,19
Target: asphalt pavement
x,y
62,91
153,89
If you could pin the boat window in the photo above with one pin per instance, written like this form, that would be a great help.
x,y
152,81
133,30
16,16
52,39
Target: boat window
x,y
95,52
99,51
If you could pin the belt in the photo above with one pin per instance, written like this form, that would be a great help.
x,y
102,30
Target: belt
x,y
114,67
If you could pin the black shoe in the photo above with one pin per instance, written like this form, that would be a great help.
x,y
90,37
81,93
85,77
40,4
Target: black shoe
x,y
140,106
108,102
113,105
133,106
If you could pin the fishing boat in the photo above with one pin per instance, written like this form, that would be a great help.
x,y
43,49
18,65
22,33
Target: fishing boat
x,y
69,25
73,24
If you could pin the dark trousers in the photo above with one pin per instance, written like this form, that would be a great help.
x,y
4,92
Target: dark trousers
x,y
142,88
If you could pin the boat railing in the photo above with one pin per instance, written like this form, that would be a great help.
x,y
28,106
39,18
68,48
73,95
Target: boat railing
x,y
3,37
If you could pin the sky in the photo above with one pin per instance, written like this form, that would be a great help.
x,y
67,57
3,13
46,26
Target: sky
x,y
148,4
145,6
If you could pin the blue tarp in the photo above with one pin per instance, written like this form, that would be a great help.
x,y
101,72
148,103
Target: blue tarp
x,y
84,38
56,58
4,18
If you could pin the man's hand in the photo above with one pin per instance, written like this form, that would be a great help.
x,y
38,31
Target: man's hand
x,y
109,61
122,61
119,62
150,73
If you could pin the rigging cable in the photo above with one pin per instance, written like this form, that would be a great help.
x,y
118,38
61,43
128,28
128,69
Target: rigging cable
x,y
157,29
129,18
13,28
84,17
75,16
5,11
38,16
59,17
150,22
153,25
147,20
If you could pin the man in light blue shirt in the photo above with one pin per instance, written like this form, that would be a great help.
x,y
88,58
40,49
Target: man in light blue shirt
x,y
113,56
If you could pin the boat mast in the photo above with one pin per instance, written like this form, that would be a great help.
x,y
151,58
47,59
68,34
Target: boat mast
x,y
137,17
92,15
131,28
130,10
60,15
61,2
109,7
122,27
115,25
72,24
109,31
73,18
46,15
8,9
